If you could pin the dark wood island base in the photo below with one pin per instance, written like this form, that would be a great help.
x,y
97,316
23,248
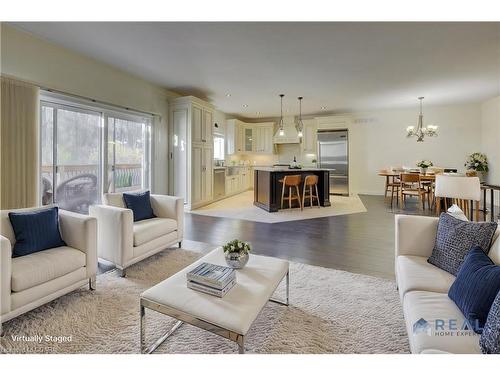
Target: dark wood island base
x,y
267,188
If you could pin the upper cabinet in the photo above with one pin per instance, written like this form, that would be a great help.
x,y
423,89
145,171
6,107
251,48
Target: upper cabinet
x,y
310,137
202,122
246,138
264,133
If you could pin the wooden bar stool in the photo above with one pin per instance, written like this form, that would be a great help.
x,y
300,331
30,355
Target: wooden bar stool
x,y
291,181
310,182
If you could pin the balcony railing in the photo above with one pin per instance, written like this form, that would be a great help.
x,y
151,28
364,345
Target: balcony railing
x,y
77,185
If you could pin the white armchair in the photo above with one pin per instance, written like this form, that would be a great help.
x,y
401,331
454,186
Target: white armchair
x,y
30,281
124,242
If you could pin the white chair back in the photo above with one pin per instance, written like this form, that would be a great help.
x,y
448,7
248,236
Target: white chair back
x,y
468,188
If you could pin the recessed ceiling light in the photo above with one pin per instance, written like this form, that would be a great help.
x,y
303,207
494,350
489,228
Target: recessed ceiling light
x,y
323,108
245,105
228,95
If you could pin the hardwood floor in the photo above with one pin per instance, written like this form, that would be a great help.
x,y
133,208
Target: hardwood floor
x,y
360,243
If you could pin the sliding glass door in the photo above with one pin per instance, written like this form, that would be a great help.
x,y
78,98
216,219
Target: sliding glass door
x,y
128,154
70,157
86,152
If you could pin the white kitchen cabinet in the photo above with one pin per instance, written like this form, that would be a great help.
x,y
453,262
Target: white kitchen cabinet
x,y
245,138
234,137
192,156
233,184
310,137
264,133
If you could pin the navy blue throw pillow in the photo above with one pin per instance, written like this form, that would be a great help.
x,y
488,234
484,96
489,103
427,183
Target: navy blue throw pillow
x,y
490,338
35,231
475,288
140,204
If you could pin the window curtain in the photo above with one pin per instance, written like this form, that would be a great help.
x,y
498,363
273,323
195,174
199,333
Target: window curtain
x,y
19,133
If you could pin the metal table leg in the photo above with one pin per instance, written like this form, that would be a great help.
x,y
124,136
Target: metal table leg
x,y
158,342
287,301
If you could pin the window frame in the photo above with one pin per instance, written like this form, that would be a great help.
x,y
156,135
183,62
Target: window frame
x,y
60,101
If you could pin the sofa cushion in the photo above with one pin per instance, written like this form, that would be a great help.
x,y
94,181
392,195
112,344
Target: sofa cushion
x,y
415,273
428,316
35,231
140,204
455,238
147,230
37,268
490,338
475,288
114,199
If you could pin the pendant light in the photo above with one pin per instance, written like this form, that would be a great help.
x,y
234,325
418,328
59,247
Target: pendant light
x,y
300,125
421,131
281,125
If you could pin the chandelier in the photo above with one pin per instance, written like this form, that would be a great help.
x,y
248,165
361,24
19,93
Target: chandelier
x,y
300,124
421,131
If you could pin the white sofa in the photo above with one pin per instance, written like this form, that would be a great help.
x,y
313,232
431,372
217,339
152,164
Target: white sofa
x,y
124,242
32,280
423,288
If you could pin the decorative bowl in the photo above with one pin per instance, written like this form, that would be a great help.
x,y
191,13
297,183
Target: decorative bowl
x,y
236,259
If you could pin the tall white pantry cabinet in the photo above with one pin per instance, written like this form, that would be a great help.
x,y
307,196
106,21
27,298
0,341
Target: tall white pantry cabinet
x,y
192,149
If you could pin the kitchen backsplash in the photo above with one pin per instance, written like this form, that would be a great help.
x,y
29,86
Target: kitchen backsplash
x,y
285,155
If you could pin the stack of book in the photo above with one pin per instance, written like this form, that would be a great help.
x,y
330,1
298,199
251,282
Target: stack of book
x,y
211,279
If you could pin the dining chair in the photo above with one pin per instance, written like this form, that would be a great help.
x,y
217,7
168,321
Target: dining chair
x,y
458,190
411,185
392,185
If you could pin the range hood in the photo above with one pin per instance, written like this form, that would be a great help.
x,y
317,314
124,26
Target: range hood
x,y
290,134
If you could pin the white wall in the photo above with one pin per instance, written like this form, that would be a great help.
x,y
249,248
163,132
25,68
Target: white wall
x,y
379,139
490,137
31,59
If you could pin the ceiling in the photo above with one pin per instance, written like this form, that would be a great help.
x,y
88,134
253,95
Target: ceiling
x,y
336,67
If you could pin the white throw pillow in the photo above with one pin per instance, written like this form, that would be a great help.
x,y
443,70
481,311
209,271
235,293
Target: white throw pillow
x,y
457,213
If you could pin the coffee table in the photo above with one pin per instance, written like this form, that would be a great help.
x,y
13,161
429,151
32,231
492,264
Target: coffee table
x,y
231,316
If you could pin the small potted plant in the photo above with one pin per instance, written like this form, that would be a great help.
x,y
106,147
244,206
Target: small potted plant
x,y
477,162
423,165
236,253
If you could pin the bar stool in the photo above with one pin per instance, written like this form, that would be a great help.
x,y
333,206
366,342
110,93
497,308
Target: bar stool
x,y
291,181
310,182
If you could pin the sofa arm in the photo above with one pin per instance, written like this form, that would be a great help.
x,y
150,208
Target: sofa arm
x,y
170,207
415,235
5,274
115,233
80,232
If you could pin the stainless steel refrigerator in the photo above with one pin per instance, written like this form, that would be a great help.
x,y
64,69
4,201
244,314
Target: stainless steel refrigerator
x,y
333,154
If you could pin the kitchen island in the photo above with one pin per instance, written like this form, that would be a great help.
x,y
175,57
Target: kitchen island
x,y
267,188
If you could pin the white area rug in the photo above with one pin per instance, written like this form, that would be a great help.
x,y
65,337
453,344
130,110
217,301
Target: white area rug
x,y
241,206
330,312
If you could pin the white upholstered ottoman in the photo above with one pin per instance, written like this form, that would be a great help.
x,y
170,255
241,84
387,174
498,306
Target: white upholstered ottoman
x,y
231,316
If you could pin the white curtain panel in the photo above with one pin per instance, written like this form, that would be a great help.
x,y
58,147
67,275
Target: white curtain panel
x,y
19,144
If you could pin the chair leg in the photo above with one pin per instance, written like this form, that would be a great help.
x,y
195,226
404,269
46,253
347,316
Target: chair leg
x,y
290,197
92,282
386,186
298,194
282,195
317,195
392,194
304,195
